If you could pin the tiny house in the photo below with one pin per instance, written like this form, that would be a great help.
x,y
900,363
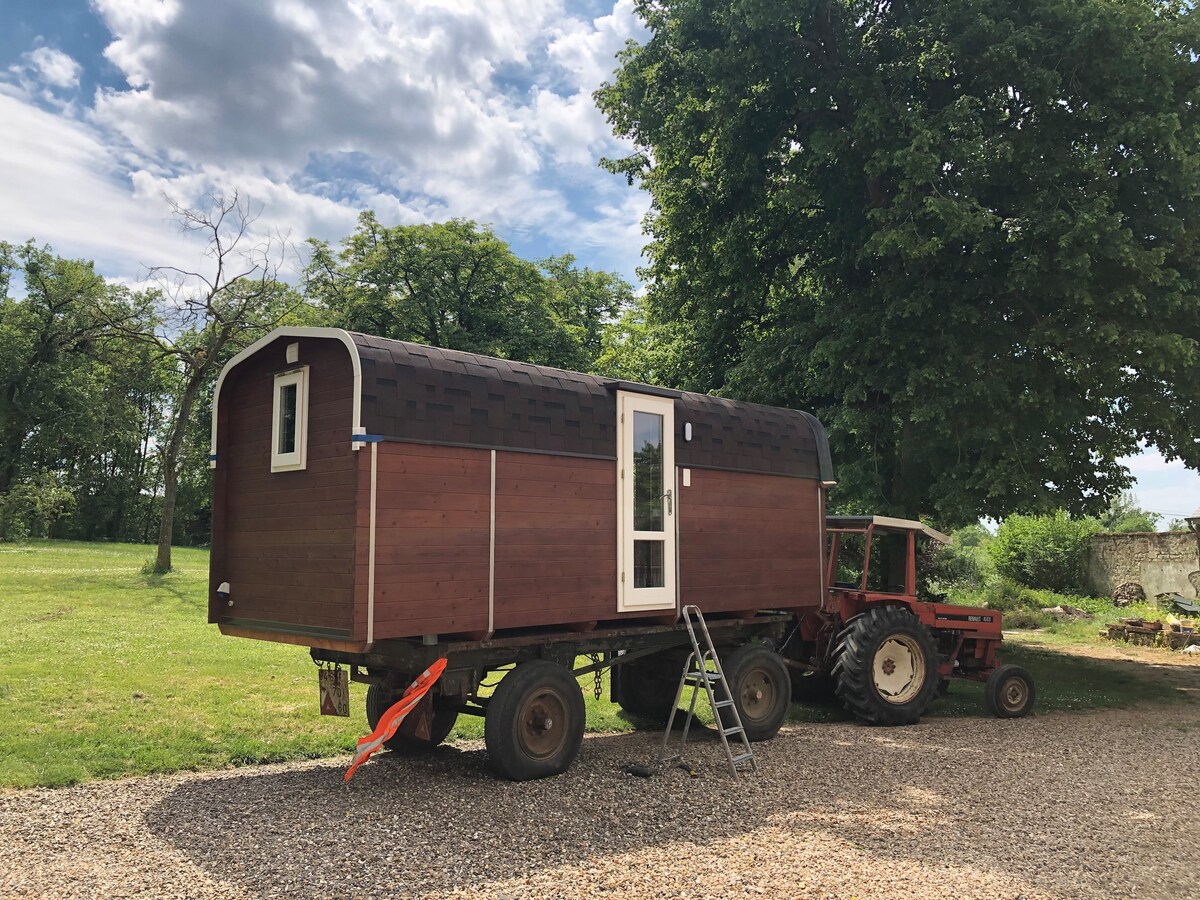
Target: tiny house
x,y
369,490
388,505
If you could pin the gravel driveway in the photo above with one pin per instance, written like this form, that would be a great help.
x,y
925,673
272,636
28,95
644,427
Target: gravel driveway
x,y
1055,805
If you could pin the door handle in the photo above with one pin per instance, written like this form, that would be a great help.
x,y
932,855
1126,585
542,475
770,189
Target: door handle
x,y
668,496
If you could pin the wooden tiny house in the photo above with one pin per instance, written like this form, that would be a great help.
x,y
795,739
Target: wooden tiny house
x,y
370,489
390,506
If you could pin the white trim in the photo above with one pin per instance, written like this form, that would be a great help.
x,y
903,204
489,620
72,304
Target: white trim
x,y
297,458
629,598
338,334
492,554
678,580
822,545
371,551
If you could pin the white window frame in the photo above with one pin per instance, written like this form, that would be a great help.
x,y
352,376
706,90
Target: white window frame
x,y
630,598
298,458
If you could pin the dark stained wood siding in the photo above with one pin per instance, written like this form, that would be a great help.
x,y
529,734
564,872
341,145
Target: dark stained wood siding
x,y
285,540
749,541
431,540
556,540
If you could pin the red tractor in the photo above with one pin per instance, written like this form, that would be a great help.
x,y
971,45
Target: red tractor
x,y
883,650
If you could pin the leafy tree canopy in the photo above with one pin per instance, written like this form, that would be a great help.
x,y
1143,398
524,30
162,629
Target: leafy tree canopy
x,y
1124,514
455,284
964,234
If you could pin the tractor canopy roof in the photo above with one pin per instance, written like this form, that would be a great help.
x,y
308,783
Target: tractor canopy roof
x,y
862,523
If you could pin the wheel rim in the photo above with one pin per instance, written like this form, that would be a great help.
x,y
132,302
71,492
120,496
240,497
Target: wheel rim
x,y
757,695
899,669
541,723
1013,694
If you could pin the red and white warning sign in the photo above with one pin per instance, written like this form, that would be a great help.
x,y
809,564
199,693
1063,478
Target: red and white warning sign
x,y
335,692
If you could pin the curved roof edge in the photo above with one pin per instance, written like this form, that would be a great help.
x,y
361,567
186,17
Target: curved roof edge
x,y
291,331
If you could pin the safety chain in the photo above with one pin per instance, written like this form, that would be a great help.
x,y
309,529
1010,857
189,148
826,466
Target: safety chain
x,y
598,682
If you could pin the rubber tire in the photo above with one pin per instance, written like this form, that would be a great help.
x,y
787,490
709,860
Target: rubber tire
x,y
380,700
646,687
856,648
501,728
746,665
994,689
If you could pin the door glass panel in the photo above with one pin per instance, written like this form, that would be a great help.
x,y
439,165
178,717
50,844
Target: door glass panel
x,y
648,571
648,487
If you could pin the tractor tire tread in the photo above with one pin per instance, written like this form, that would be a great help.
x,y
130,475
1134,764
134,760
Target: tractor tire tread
x,y
852,670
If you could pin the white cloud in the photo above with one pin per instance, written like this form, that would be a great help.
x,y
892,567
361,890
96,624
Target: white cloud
x,y
570,129
419,109
62,186
53,67
231,83
588,50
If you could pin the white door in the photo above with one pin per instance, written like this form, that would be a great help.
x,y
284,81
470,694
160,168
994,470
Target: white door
x,y
646,508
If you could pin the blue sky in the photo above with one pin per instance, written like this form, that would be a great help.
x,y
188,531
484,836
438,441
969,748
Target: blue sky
x,y
418,109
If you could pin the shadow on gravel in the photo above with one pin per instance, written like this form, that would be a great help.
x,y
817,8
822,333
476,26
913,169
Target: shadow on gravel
x,y
1015,797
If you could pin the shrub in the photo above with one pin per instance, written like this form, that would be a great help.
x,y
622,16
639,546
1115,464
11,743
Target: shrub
x,y
30,507
1027,618
1002,594
1043,551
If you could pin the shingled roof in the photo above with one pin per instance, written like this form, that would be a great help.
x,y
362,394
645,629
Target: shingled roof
x,y
412,392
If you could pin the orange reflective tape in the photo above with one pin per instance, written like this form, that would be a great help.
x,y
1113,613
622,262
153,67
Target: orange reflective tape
x,y
395,715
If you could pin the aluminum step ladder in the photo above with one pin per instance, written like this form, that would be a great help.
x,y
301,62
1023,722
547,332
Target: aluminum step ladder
x,y
696,674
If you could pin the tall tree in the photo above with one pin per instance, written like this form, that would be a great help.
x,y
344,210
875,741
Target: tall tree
x,y
965,234
51,337
457,285
201,318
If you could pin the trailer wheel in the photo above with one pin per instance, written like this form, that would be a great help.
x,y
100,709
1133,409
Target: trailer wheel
x,y
887,667
646,687
404,741
761,687
1009,692
534,722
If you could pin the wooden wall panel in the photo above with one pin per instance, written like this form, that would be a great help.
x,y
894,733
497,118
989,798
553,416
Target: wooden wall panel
x,y
749,541
431,540
556,540
285,540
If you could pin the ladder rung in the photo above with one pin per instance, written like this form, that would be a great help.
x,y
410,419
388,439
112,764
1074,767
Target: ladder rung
x,y
696,674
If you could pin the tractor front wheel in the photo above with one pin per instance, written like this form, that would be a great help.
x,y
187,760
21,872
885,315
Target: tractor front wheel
x,y
886,668
1009,692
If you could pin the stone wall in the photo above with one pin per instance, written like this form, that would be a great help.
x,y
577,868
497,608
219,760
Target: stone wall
x,y
1160,562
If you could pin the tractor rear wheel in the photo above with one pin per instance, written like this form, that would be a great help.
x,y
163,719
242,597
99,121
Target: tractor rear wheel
x,y
886,668
761,688
405,741
1009,692
534,722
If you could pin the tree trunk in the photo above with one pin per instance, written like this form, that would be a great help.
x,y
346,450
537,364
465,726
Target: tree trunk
x,y
183,414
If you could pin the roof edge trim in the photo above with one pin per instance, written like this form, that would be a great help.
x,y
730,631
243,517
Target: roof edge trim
x,y
302,331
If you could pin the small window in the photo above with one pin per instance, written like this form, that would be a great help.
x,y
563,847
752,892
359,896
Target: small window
x,y
289,425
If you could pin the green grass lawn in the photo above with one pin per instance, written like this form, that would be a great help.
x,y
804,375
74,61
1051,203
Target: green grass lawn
x,y
106,672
